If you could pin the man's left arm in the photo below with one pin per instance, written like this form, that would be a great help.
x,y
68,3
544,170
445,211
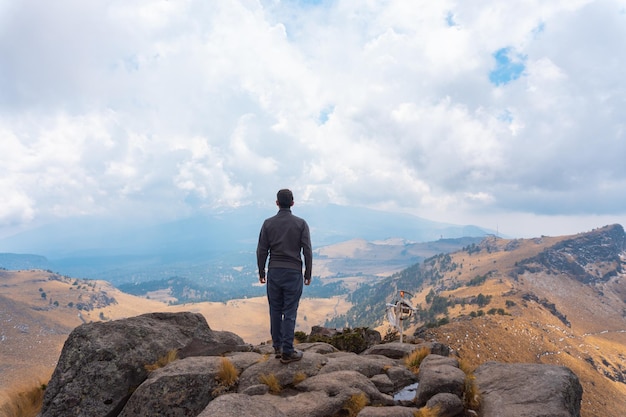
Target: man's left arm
x,y
307,251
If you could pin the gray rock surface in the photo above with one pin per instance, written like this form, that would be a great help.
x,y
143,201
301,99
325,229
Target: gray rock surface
x,y
383,383
438,360
436,377
368,365
345,382
394,350
182,388
401,376
449,405
528,390
238,405
393,411
397,350
308,404
308,366
317,347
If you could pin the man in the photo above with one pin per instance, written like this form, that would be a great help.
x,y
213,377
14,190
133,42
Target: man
x,y
284,237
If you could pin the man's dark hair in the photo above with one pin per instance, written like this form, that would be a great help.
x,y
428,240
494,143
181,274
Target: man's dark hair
x,y
284,198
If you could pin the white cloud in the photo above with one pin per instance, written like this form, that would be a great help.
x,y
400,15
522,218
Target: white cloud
x,y
165,107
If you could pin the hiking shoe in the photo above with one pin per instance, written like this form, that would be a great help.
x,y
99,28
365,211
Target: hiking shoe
x,y
277,353
296,355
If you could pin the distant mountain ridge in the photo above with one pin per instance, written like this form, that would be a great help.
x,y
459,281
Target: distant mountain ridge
x,y
17,261
212,247
236,229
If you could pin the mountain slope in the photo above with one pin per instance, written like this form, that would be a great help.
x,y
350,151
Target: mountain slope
x,y
558,300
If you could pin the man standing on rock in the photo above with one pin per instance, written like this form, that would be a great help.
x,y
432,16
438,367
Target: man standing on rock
x,y
284,237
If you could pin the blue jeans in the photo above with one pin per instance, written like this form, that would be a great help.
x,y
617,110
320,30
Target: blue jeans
x,y
284,289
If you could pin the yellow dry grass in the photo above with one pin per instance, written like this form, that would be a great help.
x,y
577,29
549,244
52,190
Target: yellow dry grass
x,y
427,412
22,401
414,359
299,377
354,405
227,374
272,383
169,357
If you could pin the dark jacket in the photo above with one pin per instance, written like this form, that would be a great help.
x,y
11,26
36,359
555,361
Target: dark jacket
x,y
283,237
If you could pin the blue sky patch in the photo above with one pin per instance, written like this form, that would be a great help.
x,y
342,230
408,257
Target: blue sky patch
x,y
509,66
325,114
506,116
450,19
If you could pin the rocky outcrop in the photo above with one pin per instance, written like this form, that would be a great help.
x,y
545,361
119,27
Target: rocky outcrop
x,y
589,257
103,363
102,372
528,390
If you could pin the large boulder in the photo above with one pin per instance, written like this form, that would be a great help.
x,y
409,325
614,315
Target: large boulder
x,y
182,388
102,363
438,375
449,405
528,390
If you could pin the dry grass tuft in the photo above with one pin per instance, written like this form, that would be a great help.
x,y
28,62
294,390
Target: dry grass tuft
x,y
24,402
427,412
272,382
354,405
415,358
264,358
299,377
169,357
471,395
227,375
466,367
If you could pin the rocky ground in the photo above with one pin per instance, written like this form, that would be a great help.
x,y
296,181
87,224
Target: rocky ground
x,y
106,369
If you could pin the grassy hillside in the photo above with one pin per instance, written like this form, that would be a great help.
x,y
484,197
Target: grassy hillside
x,y
557,300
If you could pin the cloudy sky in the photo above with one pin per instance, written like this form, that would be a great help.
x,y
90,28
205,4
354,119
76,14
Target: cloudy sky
x,y
508,115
